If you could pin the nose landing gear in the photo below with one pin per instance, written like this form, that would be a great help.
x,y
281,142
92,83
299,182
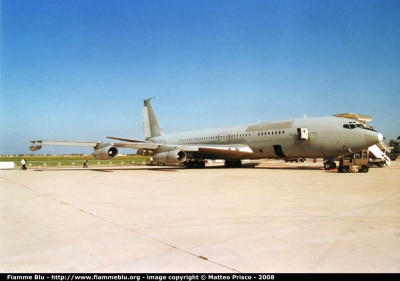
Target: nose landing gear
x,y
329,165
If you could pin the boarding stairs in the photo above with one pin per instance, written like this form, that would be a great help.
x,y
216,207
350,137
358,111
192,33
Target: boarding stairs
x,y
379,152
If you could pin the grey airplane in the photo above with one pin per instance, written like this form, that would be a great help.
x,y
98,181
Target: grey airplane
x,y
321,137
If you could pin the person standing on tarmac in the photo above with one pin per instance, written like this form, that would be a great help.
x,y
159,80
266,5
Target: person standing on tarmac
x,y
23,164
85,162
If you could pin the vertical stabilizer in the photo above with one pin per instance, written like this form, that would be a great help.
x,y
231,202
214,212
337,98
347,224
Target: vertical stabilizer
x,y
150,123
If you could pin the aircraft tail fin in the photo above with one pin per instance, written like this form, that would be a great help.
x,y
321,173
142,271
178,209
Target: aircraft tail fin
x,y
150,122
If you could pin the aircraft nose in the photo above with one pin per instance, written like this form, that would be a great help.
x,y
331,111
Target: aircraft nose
x,y
372,137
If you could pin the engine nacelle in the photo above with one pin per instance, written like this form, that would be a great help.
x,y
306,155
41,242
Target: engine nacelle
x,y
174,156
108,152
35,147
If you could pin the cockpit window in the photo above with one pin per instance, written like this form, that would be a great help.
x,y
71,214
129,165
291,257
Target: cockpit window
x,y
353,125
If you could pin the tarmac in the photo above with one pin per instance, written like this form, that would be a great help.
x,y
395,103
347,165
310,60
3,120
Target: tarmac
x,y
276,217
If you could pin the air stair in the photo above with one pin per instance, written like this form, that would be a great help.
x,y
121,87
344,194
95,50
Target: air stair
x,y
379,152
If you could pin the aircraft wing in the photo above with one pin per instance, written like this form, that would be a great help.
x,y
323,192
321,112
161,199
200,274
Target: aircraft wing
x,y
233,150
138,145
211,151
129,140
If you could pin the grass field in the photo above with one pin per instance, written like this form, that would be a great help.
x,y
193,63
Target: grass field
x,y
75,161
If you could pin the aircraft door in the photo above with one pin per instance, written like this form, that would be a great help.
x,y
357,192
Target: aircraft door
x,y
278,151
302,133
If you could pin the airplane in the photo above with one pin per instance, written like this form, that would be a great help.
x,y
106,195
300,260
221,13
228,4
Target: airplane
x,y
318,137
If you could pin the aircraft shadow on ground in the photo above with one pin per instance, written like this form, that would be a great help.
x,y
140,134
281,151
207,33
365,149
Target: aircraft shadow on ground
x,y
178,168
293,168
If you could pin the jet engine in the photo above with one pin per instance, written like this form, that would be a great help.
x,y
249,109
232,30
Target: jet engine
x,y
35,146
104,153
174,156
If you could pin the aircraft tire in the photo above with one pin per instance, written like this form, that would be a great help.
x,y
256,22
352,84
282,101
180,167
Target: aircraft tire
x,y
195,164
328,165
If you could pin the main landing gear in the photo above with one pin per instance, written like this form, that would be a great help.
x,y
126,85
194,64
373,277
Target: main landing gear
x,y
329,165
198,164
233,163
195,164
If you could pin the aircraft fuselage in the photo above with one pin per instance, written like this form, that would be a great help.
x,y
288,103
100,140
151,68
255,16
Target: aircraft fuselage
x,y
298,138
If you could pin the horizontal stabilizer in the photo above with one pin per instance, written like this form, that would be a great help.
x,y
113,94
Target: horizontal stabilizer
x,y
69,143
37,144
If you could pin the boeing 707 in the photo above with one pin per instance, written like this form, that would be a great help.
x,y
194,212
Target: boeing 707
x,y
320,137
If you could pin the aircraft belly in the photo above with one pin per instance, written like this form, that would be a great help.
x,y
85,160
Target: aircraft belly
x,y
225,155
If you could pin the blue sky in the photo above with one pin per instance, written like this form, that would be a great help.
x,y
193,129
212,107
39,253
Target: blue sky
x,y
80,69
